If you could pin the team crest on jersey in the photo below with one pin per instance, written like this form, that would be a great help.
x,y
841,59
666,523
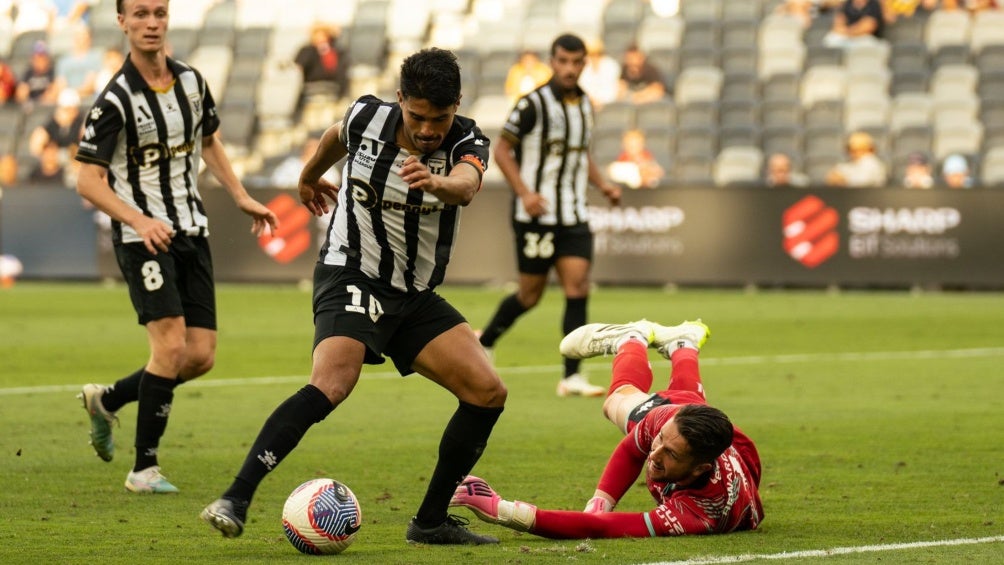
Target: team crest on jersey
x,y
437,166
196,102
95,113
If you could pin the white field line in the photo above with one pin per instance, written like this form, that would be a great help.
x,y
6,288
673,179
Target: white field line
x,y
830,552
712,361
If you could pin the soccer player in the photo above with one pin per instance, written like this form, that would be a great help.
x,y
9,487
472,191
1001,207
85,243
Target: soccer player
x,y
543,153
411,166
702,471
140,155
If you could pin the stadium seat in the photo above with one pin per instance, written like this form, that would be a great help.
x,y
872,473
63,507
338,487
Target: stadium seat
x,y
616,116
825,113
824,82
824,140
740,85
737,164
992,111
910,109
780,60
909,81
777,30
957,138
992,168
867,56
817,166
743,11
990,58
655,115
950,55
781,86
909,30
738,59
782,139
909,57
738,135
739,33
781,113
183,41
696,140
698,113
991,84
986,30
623,12
913,138
946,28
823,55
693,170
866,114
704,11
950,81
252,41
962,109
660,33
695,84
739,113
699,56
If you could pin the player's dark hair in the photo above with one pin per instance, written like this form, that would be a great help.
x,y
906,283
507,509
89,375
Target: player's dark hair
x,y
431,74
569,42
707,430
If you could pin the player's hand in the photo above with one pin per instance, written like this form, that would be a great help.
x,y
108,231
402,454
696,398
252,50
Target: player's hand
x,y
476,494
535,204
261,216
155,233
612,192
417,175
598,504
312,193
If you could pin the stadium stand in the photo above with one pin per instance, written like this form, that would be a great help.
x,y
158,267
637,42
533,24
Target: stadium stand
x,y
740,74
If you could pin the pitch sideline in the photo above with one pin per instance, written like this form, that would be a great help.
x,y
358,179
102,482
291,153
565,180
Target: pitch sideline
x,y
711,361
829,552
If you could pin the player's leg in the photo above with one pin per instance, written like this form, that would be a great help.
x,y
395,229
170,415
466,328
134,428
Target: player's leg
x,y
442,347
681,344
574,251
534,258
630,382
343,341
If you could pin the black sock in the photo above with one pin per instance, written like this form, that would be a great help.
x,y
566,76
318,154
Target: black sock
x,y
124,391
575,316
281,433
464,440
155,396
509,309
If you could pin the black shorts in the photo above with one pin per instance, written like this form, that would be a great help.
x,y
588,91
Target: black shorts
x,y
538,247
176,283
388,321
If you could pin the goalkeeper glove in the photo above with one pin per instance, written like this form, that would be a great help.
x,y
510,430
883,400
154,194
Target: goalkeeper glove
x,y
480,498
598,504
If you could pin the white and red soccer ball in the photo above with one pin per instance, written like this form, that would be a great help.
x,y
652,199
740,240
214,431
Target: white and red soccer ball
x,y
321,516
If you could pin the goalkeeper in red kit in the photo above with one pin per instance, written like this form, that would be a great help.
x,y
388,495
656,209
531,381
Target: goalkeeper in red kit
x,y
701,470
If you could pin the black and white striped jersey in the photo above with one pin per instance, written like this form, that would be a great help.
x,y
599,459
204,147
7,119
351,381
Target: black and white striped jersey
x,y
380,227
551,136
151,143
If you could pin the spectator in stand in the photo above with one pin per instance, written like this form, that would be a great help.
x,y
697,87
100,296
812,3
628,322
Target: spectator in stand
x,y
779,173
111,62
636,166
640,81
918,173
38,83
78,68
972,6
857,21
955,172
50,169
63,130
600,76
8,170
526,74
896,9
324,64
8,83
863,169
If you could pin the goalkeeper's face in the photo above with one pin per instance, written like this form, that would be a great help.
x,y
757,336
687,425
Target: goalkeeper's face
x,y
670,460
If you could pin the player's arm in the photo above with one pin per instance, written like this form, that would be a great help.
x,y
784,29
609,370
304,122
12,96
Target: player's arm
x,y
92,185
457,188
505,160
313,187
596,178
219,165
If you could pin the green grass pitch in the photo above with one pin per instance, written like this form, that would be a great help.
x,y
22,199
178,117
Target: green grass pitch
x,y
878,416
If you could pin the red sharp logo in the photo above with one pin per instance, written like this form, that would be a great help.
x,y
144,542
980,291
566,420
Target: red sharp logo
x,y
810,231
292,238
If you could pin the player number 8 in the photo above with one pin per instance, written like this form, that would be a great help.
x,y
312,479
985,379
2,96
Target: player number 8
x,y
153,279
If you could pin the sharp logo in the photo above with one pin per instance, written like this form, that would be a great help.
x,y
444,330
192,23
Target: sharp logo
x,y
810,231
292,238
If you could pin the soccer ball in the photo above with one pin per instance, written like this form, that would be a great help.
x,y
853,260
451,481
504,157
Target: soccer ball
x,y
321,516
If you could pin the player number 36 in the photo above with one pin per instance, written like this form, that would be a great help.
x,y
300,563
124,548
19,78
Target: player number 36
x,y
538,245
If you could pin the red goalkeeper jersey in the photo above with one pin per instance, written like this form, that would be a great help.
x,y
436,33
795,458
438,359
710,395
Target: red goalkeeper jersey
x,y
726,500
